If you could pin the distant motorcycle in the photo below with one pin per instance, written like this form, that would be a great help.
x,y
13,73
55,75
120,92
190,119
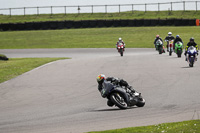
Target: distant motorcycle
x,y
191,55
170,46
120,48
179,48
121,97
159,46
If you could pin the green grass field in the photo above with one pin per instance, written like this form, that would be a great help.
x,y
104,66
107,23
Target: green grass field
x,y
100,16
134,37
178,127
17,66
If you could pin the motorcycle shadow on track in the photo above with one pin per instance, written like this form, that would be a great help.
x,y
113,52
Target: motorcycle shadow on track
x,y
113,109
186,67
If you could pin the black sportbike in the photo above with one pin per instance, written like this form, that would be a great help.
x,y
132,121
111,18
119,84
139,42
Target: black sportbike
x,y
121,97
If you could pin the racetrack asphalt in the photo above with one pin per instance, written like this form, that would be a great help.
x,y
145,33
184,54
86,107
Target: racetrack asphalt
x,y
62,96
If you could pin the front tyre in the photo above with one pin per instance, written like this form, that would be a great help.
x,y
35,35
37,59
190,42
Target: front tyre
x,y
141,102
118,100
121,52
191,62
179,52
160,50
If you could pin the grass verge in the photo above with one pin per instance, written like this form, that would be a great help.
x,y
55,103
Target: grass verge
x,y
17,66
100,16
134,37
177,127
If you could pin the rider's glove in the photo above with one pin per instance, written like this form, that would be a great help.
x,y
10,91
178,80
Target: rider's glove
x,y
131,89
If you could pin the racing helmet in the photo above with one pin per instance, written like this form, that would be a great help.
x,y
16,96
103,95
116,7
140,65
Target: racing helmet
x,y
192,39
169,33
120,39
177,36
101,78
157,36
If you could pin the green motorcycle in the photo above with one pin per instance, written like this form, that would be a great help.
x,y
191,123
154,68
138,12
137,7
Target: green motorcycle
x,y
179,48
159,46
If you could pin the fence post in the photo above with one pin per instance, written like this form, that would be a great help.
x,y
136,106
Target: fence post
x,y
119,8
10,12
171,6
65,10
158,7
132,8
145,7
38,11
184,5
24,11
196,6
92,9
51,10
105,8
79,9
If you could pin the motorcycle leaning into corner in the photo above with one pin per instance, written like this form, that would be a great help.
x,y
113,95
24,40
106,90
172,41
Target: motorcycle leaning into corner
x,y
179,48
191,56
160,47
120,48
123,98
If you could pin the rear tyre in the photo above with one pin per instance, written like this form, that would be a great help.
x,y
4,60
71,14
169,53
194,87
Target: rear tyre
x,y
118,100
141,102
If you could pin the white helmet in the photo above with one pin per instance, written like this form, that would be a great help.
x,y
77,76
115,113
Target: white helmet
x,y
169,33
120,39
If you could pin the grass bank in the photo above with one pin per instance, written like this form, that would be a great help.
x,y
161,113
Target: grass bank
x,y
17,66
178,127
100,16
134,37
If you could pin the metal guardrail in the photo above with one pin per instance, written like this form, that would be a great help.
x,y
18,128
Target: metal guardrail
x,y
170,6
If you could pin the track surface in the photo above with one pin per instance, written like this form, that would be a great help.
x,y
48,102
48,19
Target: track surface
x,y
62,96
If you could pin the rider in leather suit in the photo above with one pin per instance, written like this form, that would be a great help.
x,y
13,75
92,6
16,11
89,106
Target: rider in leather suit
x,y
116,81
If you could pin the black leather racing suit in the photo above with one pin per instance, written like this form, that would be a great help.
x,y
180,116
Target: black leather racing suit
x,y
156,39
116,81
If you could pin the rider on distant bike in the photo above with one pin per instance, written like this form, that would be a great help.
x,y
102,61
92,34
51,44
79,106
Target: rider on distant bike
x,y
156,39
169,37
120,41
177,39
191,43
101,79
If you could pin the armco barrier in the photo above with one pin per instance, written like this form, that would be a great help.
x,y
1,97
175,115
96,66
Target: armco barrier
x,y
97,23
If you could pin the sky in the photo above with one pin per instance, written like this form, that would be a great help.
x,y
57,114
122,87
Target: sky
x,y
33,3
36,3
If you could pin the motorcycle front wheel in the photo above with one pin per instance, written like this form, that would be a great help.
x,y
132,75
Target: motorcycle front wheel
x,y
118,100
141,102
121,52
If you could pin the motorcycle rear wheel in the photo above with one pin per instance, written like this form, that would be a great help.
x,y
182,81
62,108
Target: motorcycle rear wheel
x,y
119,101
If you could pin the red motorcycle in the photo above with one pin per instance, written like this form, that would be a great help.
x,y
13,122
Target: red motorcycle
x,y
120,48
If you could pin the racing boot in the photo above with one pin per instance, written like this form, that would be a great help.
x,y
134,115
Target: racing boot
x,y
109,103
